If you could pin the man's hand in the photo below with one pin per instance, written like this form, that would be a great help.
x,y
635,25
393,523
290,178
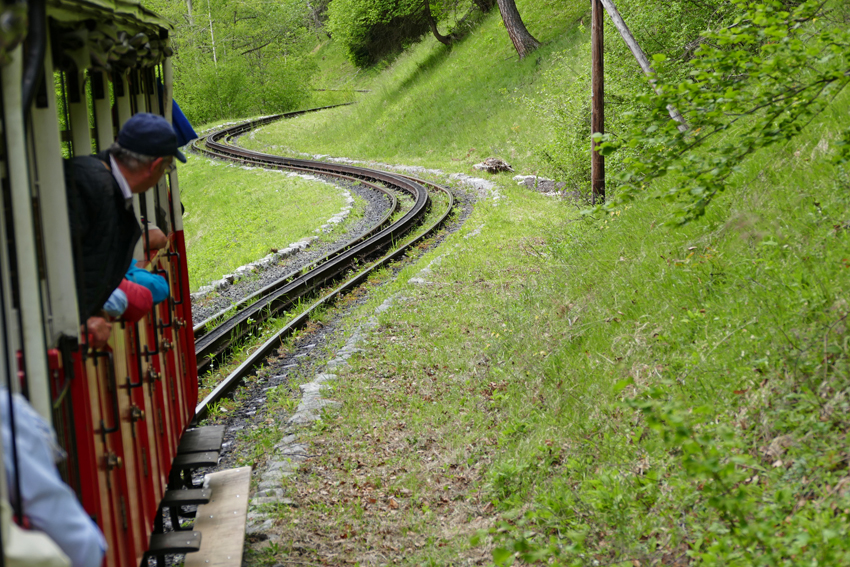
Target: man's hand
x,y
157,239
99,330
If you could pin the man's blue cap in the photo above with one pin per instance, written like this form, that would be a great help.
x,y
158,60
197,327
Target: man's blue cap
x,y
149,135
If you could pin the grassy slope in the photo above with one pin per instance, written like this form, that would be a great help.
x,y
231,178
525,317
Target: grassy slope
x,y
492,396
442,107
514,390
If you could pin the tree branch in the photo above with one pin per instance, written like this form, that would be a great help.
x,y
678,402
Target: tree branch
x,y
257,48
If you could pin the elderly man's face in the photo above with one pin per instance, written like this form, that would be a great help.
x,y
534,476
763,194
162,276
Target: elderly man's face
x,y
153,172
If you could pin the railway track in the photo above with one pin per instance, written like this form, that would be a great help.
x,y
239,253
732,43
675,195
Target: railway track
x,y
387,241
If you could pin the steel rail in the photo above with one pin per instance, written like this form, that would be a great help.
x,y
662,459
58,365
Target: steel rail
x,y
224,336
202,328
255,359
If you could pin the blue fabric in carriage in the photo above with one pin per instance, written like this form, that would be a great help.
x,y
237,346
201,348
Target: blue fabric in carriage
x,y
47,502
156,284
181,125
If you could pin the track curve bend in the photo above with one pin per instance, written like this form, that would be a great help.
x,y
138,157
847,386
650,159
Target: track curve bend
x,y
213,340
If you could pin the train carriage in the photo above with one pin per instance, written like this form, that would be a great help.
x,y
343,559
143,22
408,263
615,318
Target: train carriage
x,y
73,71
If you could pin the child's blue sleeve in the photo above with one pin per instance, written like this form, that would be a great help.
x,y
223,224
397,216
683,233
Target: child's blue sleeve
x,y
156,284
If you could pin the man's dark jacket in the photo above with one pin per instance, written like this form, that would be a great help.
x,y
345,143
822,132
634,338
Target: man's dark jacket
x,y
103,228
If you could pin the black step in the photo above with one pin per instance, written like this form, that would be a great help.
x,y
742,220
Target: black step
x,y
174,542
201,440
183,465
186,497
191,461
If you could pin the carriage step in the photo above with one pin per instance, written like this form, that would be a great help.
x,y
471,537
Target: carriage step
x,y
190,461
172,543
174,500
183,465
186,497
201,439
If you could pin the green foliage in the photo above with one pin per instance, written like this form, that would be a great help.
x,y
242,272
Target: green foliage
x,y
563,93
240,59
233,88
612,392
370,29
563,99
619,392
215,91
751,85
447,108
708,370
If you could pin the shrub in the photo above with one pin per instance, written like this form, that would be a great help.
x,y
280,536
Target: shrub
x,y
370,29
752,84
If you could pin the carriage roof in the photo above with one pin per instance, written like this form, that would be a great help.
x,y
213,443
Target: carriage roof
x,y
124,13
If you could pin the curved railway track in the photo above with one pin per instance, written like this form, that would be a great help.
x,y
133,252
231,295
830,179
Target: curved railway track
x,y
220,333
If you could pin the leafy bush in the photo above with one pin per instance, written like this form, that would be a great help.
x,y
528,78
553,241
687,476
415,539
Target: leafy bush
x,y
752,84
208,92
671,28
370,29
235,60
282,84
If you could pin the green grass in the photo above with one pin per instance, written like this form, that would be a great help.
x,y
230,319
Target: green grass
x,y
336,72
235,216
542,371
609,389
319,315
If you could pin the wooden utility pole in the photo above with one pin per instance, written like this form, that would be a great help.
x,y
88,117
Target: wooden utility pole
x,y
642,60
597,112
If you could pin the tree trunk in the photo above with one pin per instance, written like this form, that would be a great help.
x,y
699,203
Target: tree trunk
x,y
189,12
212,35
316,20
523,41
445,40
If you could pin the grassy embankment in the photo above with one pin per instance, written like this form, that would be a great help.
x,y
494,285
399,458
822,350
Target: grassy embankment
x,y
605,391
440,107
636,393
633,392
